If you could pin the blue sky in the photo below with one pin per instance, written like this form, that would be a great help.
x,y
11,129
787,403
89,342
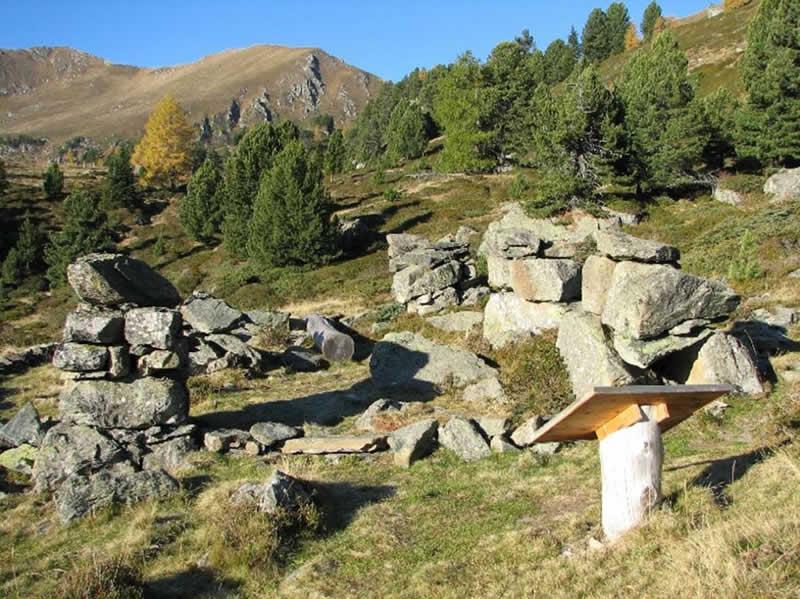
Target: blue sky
x,y
385,38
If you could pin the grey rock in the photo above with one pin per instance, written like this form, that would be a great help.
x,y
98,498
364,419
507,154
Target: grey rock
x,y
19,459
88,324
501,445
589,357
209,315
23,428
272,433
546,280
249,356
643,353
408,360
725,360
646,300
355,234
170,455
119,362
278,321
428,258
338,444
621,246
154,327
366,422
546,449
598,272
413,442
228,361
688,327
473,295
77,357
493,426
160,361
499,272
279,492
73,449
465,234
523,435
433,302
777,316
457,322
159,434
460,436
301,359
224,439
403,243
114,279
488,389
784,185
509,318
140,403
561,249
200,357
415,281
728,196
81,495
514,242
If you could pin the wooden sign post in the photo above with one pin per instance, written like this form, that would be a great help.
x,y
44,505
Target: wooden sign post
x,y
629,422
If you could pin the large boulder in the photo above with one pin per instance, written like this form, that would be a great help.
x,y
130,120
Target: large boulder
x,y
462,436
114,279
24,427
512,242
645,352
546,280
508,318
208,314
141,403
415,281
646,300
73,449
77,357
588,355
499,272
89,324
728,196
725,360
621,246
19,459
413,441
409,360
80,495
596,278
153,327
457,322
784,185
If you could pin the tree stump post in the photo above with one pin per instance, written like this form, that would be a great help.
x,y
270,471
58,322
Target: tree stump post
x,y
334,345
630,460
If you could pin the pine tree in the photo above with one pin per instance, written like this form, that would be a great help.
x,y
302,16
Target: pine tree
x,y
335,153
559,59
596,39
632,38
291,222
200,211
53,181
164,151
651,15
84,231
3,178
244,168
11,268
770,124
406,133
574,43
29,246
720,110
119,187
662,114
618,22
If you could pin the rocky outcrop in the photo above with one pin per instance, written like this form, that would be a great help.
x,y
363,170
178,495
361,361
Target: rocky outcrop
x,y
509,318
784,185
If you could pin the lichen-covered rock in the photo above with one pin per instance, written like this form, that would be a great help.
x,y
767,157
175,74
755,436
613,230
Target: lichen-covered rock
x,y
724,360
221,440
77,357
366,422
588,355
115,279
279,492
512,242
596,278
508,318
159,361
409,360
170,456
73,449
141,403
88,324
415,281
272,433
19,459
499,272
546,280
248,356
208,314
80,495
646,300
119,362
276,321
461,436
153,327
24,427
489,389
644,353
784,185
621,246
457,322
413,442
728,196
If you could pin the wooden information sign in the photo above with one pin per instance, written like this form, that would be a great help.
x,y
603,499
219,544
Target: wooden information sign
x,y
628,421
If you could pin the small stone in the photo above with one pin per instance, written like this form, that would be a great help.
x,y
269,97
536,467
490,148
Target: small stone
x,y
621,246
154,327
546,280
546,449
488,389
279,492
170,456
222,440
20,459
413,442
253,448
366,422
524,433
272,433
92,325
493,426
301,359
24,427
460,436
209,315
77,357
457,322
119,362
501,445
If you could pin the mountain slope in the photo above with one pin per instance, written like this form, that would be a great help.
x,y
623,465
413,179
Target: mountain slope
x,y
60,92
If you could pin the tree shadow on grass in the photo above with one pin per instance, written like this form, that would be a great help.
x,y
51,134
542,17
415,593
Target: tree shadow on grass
x,y
719,474
341,501
192,583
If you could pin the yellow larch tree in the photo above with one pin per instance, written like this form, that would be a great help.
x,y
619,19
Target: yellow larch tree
x,y
164,151
631,37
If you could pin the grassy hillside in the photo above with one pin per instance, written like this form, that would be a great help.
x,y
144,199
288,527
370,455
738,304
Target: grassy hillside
x,y
108,101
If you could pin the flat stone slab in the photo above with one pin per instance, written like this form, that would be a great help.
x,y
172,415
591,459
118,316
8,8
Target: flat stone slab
x,y
343,444
457,322
621,246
